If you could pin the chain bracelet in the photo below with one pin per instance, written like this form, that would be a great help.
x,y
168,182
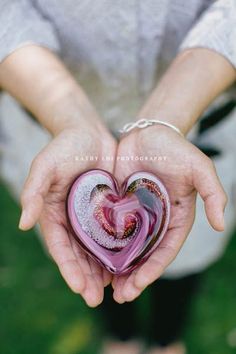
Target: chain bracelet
x,y
143,123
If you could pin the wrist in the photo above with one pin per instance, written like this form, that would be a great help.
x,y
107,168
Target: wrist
x,y
71,111
67,107
183,121
41,82
183,93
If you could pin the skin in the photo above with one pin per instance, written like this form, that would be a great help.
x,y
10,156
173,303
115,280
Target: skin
x,y
186,170
61,106
63,109
43,200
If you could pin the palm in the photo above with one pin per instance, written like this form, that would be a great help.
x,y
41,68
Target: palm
x,y
183,169
51,175
79,270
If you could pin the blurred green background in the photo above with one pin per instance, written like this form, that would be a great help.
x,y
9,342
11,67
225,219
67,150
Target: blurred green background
x,y
39,314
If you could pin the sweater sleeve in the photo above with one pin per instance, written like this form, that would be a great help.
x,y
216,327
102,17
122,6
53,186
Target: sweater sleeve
x,y
216,30
21,24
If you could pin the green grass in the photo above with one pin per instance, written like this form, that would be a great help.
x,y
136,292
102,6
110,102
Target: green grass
x,y
40,315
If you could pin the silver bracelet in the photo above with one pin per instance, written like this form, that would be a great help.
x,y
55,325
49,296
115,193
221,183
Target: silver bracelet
x,y
143,123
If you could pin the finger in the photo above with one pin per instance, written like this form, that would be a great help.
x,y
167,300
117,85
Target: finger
x,y
114,281
59,247
156,264
211,191
35,189
118,285
93,291
129,291
107,277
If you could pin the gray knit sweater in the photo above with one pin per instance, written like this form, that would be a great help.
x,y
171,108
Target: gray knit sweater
x,y
118,48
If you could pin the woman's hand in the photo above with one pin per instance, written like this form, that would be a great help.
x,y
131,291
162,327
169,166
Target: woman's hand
x,y
41,82
180,97
185,170
44,196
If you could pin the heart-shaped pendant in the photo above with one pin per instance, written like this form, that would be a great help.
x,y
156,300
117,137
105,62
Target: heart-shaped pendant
x,y
118,227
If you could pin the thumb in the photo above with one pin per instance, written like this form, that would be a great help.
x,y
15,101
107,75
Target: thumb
x,y
35,189
211,191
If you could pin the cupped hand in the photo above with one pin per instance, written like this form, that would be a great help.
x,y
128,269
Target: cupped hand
x,y
185,170
43,199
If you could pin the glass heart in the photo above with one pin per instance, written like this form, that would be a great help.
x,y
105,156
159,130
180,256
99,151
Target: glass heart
x,y
119,227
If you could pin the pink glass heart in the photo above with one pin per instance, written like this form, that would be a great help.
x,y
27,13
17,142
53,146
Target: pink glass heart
x,y
118,227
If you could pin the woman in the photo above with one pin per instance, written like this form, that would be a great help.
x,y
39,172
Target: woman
x,y
118,52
